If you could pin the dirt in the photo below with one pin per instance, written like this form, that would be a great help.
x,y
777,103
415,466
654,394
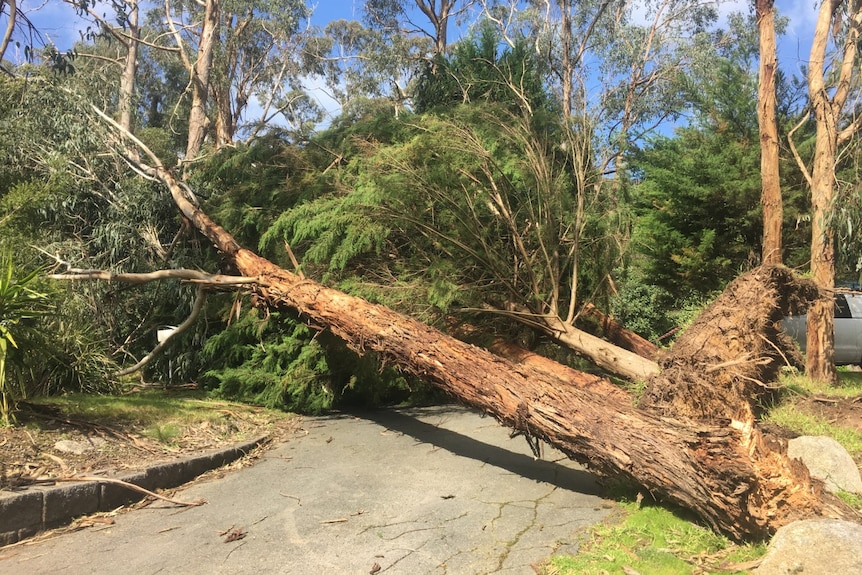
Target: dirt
x,y
842,411
47,444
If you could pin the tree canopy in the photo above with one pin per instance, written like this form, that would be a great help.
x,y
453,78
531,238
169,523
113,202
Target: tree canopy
x,y
513,175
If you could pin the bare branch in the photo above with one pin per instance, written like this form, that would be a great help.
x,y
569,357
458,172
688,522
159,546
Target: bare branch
x,y
192,276
10,26
200,298
799,161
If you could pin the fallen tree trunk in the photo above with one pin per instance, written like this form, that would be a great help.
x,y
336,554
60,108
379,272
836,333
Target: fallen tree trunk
x,y
724,470
619,335
734,479
585,381
725,362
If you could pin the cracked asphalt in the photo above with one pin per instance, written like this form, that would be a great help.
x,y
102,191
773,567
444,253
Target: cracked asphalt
x,y
439,490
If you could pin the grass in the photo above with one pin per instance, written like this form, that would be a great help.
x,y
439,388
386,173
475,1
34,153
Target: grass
x,y
849,385
163,415
788,416
654,540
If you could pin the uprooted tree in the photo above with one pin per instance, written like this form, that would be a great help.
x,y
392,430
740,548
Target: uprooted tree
x,y
693,440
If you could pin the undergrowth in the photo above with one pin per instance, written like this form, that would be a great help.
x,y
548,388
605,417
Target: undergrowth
x,y
277,362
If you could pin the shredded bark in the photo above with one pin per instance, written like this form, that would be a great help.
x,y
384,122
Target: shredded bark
x,y
730,357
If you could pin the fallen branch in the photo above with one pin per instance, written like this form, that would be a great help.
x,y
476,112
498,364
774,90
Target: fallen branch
x,y
202,279
193,276
133,487
200,298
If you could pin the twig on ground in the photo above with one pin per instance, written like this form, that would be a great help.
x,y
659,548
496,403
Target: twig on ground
x,y
134,487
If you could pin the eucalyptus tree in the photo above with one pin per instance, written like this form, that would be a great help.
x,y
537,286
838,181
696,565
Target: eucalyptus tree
x,y
126,31
834,89
243,50
769,144
361,62
195,29
616,63
261,53
383,53
399,17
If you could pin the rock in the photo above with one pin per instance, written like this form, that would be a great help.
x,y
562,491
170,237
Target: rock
x,y
78,447
827,460
814,547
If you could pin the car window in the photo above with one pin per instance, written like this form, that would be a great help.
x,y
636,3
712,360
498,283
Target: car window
x,y
842,308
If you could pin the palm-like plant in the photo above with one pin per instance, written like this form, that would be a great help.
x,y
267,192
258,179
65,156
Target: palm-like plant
x,y
20,304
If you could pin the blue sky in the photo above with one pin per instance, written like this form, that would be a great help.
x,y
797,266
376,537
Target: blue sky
x,y
59,24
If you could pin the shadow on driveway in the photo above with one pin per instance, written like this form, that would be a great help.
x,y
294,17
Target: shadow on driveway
x,y
407,421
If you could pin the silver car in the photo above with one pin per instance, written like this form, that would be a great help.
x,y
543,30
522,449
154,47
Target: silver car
x,y
848,328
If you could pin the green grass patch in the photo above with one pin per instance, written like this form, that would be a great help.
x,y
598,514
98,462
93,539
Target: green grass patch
x,y
145,408
653,540
789,417
851,499
850,382
166,416
165,433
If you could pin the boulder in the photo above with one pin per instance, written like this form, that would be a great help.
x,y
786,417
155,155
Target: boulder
x,y
828,461
814,547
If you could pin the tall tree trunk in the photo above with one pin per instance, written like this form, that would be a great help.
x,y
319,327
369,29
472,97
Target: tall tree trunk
x,y
439,18
198,121
567,72
826,107
726,471
770,182
820,344
225,121
126,98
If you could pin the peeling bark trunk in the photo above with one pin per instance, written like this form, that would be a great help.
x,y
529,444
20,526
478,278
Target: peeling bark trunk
x,y
721,365
200,81
724,470
126,99
770,185
831,78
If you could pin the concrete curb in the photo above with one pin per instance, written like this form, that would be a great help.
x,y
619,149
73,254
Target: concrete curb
x,y
26,513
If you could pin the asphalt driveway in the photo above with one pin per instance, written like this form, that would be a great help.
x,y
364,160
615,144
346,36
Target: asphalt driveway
x,y
438,490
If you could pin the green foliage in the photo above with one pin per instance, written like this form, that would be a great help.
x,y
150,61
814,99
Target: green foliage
x,y
269,361
454,211
21,304
334,229
247,186
642,308
478,71
698,210
275,361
